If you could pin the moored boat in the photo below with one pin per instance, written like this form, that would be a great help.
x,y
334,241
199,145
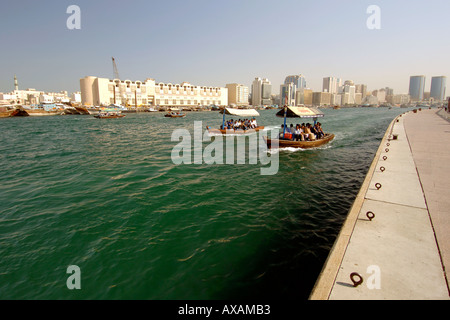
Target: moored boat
x,y
8,111
42,110
93,110
81,110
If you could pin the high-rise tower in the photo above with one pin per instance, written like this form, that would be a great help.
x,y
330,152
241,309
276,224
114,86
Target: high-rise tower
x,y
437,91
416,87
16,84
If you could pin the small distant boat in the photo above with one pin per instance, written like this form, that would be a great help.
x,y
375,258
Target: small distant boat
x,y
175,115
299,112
109,114
242,113
336,107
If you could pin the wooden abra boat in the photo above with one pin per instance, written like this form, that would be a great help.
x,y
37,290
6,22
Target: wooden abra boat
x,y
232,131
299,112
175,115
109,115
284,143
243,113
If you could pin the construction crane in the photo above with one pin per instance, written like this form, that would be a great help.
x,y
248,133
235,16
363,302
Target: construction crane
x,y
116,72
117,77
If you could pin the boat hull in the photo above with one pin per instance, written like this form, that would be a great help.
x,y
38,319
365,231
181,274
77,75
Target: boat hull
x,y
109,117
300,144
70,110
42,113
93,111
231,131
174,116
81,110
6,113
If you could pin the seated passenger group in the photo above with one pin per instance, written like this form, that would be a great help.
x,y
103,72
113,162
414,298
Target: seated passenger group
x,y
303,132
245,124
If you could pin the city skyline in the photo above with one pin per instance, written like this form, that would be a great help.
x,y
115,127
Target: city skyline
x,y
213,43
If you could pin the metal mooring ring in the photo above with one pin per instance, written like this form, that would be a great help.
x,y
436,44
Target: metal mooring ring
x,y
382,169
384,158
387,149
356,282
370,215
378,185
388,144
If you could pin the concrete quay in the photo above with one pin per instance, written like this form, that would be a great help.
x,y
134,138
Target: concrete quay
x,y
396,236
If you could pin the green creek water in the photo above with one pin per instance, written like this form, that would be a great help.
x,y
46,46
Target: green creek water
x,y
105,195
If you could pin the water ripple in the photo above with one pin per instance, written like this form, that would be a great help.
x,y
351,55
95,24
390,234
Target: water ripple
x,y
105,195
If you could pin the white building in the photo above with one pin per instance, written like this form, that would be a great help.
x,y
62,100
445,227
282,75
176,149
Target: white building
x,y
380,94
401,99
287,94
350,89
370,99
336,99
304,96
261,92
76,97
331,84
45,98
237,94
8,98
189,95
102,91
28,96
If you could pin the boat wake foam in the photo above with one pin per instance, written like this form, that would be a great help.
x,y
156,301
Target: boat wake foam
x,y
277,150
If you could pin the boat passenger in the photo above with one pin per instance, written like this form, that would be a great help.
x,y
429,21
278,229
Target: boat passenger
x,y
313,129
319,132
287,131
281,132
309,133
298,134
320,129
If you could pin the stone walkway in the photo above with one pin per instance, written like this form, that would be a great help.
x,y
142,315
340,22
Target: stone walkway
x,y
402,252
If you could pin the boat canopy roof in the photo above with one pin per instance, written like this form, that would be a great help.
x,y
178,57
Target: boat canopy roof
x,y
300,112
241,112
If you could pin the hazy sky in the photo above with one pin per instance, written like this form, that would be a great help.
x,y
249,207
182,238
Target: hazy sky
x,y
215,42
